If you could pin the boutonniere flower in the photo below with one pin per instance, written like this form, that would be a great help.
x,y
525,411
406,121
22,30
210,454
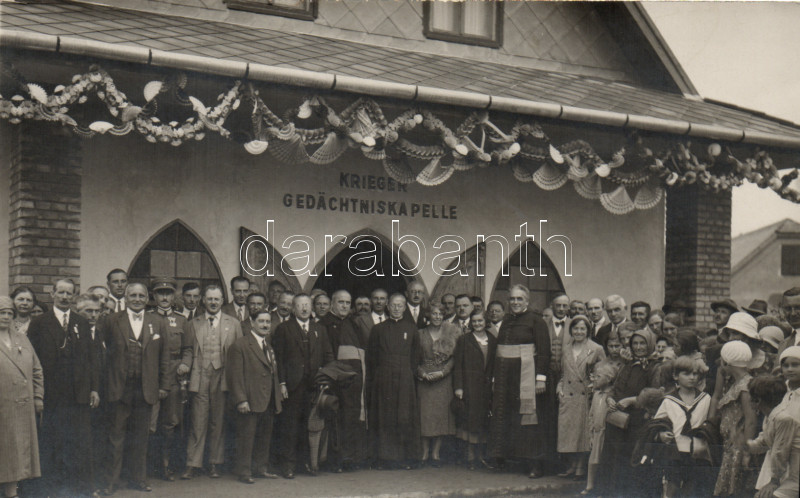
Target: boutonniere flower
x,y
75,328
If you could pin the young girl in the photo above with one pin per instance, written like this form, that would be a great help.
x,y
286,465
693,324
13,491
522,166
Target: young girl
x,y
737,419
782,435
602,381
686,407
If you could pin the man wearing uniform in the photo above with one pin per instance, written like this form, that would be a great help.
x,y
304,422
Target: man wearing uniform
x,y
179,350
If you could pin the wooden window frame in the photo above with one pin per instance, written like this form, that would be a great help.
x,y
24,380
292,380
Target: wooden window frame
x,y
266,7
787,269
464,39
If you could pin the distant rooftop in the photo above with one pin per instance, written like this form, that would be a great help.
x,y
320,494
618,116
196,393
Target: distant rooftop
x,y
743,245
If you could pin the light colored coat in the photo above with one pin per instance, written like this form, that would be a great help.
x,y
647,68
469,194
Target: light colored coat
x,y
573,407
22,382
230,330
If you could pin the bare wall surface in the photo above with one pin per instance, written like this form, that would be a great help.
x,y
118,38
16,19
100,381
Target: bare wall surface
x,y
132,189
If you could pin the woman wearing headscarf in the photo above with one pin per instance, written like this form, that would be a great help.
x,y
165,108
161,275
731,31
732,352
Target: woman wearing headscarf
x,y
619,478
579,356
21,398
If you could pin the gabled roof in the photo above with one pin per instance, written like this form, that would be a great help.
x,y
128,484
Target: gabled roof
x,y
747,245
76,28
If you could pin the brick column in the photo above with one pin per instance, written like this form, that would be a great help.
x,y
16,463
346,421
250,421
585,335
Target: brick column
x,y
45,213
698,252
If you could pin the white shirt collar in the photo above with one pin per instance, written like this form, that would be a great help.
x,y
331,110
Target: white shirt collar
x,y
60,314
131,313
259,339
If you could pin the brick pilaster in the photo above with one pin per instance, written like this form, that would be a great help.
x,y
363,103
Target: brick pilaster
x,y
45,207
698,252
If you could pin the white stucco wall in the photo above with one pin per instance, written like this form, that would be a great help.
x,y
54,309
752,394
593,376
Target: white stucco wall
x,y
132,189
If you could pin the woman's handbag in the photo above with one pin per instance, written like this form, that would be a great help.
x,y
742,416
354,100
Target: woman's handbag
x,y
618,418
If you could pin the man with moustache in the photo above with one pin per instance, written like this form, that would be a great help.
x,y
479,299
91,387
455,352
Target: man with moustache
x,y
347,348
302,347
463,311
393,355
415,294
117,281
70,367
362,305
255,392
213,333
521,414
138,363
178,339
365,323
449,304
240,289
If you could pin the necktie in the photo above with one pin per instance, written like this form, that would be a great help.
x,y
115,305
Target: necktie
x,y
64,322
415,313
241,314
266,350
137,317
560,323
191,315
305,326
211,321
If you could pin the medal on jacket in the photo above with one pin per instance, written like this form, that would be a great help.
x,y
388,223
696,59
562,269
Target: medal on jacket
x,y
75,329
151,328
172,321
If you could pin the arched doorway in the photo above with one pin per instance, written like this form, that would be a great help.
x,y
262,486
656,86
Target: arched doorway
x,y
176,251
257,257
371,252
543,287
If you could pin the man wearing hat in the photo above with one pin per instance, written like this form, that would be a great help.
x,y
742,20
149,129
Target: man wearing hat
x,y
722,311
790,311
757,308
179,349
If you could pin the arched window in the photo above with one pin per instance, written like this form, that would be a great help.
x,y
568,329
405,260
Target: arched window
x,y
543,288
176,251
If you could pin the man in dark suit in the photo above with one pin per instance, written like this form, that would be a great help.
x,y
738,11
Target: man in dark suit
x,y
594,310
364,323
616,310
255,392
138,363
283,311
214,332
302,347
63,342
790,312
274,291
558,329
415,294
240,289
190,293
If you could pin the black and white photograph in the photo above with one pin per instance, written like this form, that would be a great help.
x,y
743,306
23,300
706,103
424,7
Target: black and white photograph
x,y
399,248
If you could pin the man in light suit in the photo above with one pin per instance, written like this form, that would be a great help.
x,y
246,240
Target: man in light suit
x,y
214,332
63,342
255,392
364,323
240,289
138,363
302,347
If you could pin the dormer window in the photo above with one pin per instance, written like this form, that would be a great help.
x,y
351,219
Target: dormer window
x,y
474,22
299,9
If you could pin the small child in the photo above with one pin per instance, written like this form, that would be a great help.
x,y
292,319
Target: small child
x,y
767,392
686,408
602,382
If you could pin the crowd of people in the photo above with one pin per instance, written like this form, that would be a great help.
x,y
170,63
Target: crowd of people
x,y
129,380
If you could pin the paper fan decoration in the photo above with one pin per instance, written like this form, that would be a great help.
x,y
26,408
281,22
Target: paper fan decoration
x,y
330,150
522,173
373,153
256,147
462,163
590,187
549,177
618,201
152,89
648,197
434,173
576,169
399,169
290,151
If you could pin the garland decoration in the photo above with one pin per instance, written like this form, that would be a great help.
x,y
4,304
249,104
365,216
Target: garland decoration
x,y
634,177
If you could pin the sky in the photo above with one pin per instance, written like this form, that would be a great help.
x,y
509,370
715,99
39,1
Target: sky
x,y
744,53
